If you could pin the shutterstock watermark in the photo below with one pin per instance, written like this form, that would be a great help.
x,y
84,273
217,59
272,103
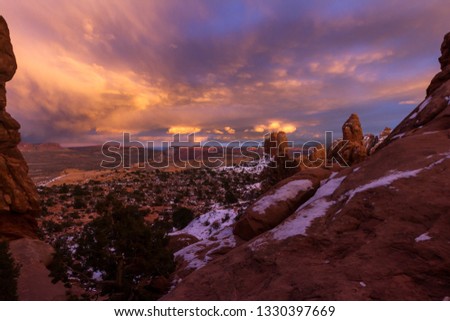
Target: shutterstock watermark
x,y
185,152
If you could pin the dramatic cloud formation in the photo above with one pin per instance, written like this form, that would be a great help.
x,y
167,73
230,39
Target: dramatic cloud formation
x,y
90,70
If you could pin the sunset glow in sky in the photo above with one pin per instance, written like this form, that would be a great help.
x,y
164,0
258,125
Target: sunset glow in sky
x,y
90,70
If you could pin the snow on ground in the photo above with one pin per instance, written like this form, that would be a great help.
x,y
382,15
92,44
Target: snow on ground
x,y
97,276
423,237
192,254
205,225
253,167
47,183
256,186
290,190
214,231
315,207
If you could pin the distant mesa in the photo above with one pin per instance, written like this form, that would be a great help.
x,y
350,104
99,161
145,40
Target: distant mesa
x,y
29,147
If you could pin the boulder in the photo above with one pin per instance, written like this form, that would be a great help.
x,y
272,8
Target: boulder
x,y
279,203
34,283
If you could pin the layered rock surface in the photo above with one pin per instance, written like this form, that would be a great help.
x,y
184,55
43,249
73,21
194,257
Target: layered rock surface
x,y
19,202
279,203
18,197
378,230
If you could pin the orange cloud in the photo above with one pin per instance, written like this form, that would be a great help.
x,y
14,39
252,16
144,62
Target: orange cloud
x,y
183,130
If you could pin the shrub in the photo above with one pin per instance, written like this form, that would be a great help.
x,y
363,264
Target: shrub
x,y
182,217
79,203
230,198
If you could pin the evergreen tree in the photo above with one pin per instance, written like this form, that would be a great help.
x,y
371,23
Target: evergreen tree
x,y
182,217
125,250
9,272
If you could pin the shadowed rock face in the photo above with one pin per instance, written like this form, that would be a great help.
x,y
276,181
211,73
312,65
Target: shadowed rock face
x,y
18,197
433,113
376,231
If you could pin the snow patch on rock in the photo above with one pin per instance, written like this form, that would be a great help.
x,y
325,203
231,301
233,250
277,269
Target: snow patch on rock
x,y
303,217
392,177
398,136
193,254
424,104
290,190
423,237
383,181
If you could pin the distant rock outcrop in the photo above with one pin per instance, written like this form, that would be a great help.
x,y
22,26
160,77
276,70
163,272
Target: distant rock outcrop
x,y
18,197
351,149
276,144
282,165
44,147
373,146
378,230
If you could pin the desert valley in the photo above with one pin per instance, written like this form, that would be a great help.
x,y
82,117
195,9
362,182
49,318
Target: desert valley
x,y
365,217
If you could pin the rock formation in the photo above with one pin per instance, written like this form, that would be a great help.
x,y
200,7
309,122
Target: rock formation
x,y
279,202
373,146
282,165
433,113
276,144
19,202
378,230
34,256
18,197
444,60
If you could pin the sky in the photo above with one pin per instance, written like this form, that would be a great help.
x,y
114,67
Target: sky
x,y
89,71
